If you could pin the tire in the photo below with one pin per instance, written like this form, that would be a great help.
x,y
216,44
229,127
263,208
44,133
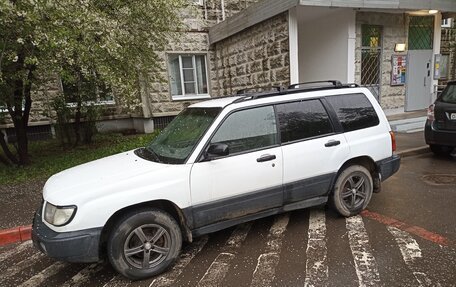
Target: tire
x,y
344,199
144,243
441,150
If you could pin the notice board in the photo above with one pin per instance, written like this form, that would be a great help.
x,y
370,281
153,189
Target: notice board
x,y
399,70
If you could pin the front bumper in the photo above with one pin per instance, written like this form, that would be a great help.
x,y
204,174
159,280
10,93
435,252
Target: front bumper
x,y
439,137
74,246
388,166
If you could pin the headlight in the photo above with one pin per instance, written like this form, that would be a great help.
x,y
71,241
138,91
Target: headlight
x,y
58,215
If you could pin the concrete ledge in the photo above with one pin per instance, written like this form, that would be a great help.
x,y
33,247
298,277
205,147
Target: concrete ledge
x,y
16,234
414,151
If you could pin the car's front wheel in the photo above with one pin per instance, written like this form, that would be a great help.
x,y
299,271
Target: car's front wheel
x,y
144,243
352,190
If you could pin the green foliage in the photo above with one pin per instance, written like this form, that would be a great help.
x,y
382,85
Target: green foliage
x,y
49,157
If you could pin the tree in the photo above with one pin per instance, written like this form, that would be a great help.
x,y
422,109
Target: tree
x,y
116,40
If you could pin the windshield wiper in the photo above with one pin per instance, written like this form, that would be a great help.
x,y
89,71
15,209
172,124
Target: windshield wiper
x,y
154,154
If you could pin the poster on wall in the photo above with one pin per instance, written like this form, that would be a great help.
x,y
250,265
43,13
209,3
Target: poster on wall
x,y
399,69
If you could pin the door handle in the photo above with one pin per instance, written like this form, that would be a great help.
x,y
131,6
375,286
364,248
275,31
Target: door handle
x,y
332,143
266,157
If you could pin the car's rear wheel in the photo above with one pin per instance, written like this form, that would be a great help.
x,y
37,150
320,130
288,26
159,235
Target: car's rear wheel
x,y
144,243
441,150
352,190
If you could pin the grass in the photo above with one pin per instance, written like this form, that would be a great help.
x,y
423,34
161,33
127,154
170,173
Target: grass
x,y
48,157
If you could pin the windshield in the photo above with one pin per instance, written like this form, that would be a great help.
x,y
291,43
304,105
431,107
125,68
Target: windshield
x,y
449,94
175,143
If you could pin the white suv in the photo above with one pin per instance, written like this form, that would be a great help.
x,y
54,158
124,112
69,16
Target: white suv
x,y
217,164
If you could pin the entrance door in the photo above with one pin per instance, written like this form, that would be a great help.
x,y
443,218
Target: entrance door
x,y
419,80
419,71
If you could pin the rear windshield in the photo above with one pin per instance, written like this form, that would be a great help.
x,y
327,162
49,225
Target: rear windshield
x,y
449,94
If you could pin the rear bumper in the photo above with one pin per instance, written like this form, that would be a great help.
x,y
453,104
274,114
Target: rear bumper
x,y
75,246
388,166
439,137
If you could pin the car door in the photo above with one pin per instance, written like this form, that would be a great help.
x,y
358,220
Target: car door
x,y
247,180
312,151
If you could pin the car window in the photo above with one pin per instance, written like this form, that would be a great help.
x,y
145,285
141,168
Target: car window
x,y
354,111
248,130
449,94
301,120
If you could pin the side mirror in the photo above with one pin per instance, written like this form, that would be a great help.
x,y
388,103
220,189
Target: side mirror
x,y
216,150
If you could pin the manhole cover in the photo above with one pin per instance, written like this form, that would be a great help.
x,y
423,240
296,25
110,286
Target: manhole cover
x,y
440,179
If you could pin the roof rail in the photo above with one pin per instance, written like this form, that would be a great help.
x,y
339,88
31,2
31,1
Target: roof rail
x,y
335,83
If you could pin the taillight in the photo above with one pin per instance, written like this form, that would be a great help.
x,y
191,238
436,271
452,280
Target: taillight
x,y
393,141
430,113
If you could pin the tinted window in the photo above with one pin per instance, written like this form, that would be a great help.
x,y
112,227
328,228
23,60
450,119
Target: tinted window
x,y
248,130
449,94
301,120
354,111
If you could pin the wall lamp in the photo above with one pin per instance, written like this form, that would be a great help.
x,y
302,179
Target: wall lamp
x,y
400,47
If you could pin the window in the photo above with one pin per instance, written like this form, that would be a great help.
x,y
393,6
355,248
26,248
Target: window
x,y
301,120
248,130
444,66
90,91
354,111
447,23
371,58
188,76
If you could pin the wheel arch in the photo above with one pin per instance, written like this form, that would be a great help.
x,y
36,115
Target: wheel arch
x,y
164,205
369,164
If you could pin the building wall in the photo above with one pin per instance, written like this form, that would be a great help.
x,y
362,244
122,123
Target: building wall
x,y
156,95
394,31
256,58
324,52
449,47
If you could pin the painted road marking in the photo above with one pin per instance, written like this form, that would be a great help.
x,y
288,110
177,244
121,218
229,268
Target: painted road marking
x,y
168,278
316,264
415,230
14,251
411,251
365,264
39,278
267,262
220,266
18,267
83,276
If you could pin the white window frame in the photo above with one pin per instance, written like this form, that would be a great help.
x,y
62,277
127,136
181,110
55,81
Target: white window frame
x,y
185,96
447,23
198,2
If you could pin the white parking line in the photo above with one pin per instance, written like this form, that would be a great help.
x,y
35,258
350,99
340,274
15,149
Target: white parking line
x,y
168,278
14,251
44,275
18,267
220,266
365,264
316,264
411,252
83,276
267,262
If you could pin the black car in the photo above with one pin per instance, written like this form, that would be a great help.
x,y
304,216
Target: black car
x,y
440,130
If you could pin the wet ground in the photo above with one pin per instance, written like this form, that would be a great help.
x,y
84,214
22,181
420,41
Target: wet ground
x,y
406,238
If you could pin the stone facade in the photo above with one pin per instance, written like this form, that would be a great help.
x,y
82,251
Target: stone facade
x,y
156,96
257,58
394,27
449,47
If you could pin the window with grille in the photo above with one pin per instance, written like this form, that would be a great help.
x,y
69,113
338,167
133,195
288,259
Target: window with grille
x,y
421,33
188,76
371,51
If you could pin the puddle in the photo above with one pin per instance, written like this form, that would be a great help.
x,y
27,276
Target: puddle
x,y
440,179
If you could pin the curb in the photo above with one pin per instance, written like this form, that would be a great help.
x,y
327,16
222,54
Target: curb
x,y
16,234
413,151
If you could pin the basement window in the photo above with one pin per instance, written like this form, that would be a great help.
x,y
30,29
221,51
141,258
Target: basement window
x,y
188,77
